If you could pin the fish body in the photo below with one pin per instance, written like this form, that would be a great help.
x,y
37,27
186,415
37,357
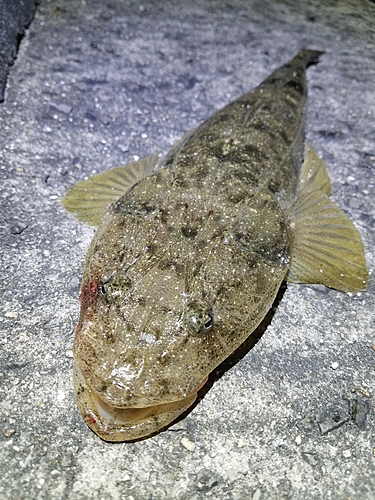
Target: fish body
x,y
188,260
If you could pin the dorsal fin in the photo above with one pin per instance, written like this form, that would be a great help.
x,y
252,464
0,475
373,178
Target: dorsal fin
x,y
313,174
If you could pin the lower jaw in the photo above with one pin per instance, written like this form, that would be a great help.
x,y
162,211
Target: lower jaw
x,y
117,424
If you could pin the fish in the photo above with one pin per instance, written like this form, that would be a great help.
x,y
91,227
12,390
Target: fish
x,y
191,249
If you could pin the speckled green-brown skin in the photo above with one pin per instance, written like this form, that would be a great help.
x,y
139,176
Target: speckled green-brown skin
x,y
188,262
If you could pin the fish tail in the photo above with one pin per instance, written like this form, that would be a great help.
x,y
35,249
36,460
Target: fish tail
x,y
309,56
281,76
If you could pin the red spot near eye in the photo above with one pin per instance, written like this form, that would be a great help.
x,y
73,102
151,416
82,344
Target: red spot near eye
x,y
88,293
87,297
93,288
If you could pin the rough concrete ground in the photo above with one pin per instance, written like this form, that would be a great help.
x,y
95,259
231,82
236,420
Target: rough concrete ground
x,y
15,16
95,84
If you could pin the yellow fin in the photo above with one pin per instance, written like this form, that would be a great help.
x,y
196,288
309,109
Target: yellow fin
x,y
326,247
88,199
313,174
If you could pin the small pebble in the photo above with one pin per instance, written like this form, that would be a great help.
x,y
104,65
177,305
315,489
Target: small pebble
x,y
105,120
11,314
8,432
332,418
231,474
358,410
189,445
60,396
240,443
334,365
312,459
63,108
256,495
346,453
206,480
298,440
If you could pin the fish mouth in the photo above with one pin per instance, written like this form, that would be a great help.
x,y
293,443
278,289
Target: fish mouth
x,y
126,424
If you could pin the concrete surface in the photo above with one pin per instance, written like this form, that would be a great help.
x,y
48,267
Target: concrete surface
x,y
15,16
95,84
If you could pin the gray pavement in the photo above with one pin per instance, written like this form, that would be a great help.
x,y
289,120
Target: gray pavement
x,y
94,84
15,16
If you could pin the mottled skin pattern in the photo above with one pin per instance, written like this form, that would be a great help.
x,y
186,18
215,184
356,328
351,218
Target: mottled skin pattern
x,y
187,263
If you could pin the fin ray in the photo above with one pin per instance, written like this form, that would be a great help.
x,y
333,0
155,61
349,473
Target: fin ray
x,y
327,248
313,174
88,199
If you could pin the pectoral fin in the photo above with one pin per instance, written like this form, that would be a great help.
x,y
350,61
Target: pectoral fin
x,y
326,247
88,199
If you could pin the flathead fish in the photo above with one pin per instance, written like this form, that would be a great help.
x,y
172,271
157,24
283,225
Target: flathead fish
x,y
191,249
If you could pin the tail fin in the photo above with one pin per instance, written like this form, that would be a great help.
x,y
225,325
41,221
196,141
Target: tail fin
x,y
309,56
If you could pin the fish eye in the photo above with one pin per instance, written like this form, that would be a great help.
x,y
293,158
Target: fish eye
x,y
198,317
210,321
116,288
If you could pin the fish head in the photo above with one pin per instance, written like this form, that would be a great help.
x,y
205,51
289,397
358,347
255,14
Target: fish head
x,y
163,302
